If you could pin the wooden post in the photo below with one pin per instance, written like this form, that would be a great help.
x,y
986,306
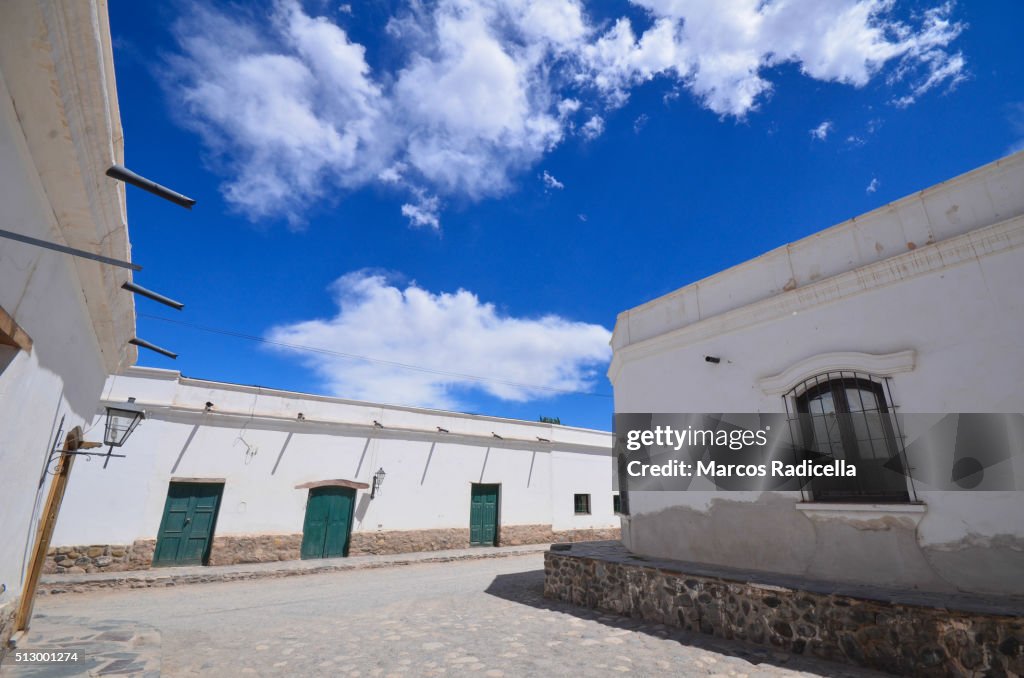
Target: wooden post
x,y
47,522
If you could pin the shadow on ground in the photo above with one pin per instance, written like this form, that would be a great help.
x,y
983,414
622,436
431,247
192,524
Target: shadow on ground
x,y
527,588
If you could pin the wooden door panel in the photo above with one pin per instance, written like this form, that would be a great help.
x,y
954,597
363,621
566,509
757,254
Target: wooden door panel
x,y
483,514
338,520
186,530
328,524
314,529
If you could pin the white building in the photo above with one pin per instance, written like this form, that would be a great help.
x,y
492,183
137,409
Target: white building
x,y
222,473
923,299
64,321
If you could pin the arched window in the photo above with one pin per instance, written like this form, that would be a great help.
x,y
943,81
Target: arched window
x,y
849,415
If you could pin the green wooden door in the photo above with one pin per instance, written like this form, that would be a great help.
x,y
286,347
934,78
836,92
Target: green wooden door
x,y
328,524
483,515
186,530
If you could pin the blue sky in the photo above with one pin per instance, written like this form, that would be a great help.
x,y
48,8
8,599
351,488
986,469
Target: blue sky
x,y
475,190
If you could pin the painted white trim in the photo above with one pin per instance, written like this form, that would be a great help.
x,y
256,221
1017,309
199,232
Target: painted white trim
x,y
172,375
192,415
881,365
862,512
914,220
141,371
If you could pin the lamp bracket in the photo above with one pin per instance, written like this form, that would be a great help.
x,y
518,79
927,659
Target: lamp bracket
x,y
83,450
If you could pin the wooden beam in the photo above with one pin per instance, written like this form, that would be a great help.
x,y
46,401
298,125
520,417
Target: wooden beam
x,y
44,533
11,334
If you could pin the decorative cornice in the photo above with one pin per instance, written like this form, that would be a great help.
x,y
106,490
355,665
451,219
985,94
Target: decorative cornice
x,y
270,422
159,374
1003,236
882,365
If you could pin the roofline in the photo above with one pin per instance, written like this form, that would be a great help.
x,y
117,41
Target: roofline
x,y
140,372
1012,158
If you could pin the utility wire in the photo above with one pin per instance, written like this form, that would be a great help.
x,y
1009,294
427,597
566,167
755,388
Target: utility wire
x,y
351,356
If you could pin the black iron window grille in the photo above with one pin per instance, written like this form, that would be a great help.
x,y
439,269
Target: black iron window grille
x,y
850,416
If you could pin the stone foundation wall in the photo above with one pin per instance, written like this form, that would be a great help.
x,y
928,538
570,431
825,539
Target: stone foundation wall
x,y
99,558
607,534
259,548
407,541
264,548
908,639
518,535
7,612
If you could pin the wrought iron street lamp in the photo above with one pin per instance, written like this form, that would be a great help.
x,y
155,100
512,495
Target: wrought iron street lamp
x,y
378,480
121,422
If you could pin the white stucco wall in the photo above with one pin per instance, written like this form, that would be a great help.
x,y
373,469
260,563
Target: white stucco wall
x,y
428,479
59,131
955,306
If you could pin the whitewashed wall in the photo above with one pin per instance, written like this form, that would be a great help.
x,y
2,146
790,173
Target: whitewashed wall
x,y
865,286
59,131
428,479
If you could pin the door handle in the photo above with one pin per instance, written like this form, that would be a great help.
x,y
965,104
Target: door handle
x,y
188,520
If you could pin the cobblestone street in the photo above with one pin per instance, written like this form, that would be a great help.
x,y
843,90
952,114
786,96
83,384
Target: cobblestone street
x,y
481,617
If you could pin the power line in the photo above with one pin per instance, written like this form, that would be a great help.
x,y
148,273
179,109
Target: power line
x,y
352,356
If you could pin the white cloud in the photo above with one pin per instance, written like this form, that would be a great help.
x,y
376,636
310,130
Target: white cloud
x,y
442,334
293,113
393,174
821,132
593,127
873,186
721,50
424,212
291,123
551,182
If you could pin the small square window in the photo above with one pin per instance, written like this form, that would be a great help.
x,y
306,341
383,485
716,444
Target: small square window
x,y
581,503
616,503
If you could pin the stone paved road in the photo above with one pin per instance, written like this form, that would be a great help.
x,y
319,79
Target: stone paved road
x,y
480,618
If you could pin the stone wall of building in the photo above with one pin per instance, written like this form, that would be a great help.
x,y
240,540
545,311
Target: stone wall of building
x,y
99,558
906,633
412,541
264,548
7,612
257,548
608,534
407,541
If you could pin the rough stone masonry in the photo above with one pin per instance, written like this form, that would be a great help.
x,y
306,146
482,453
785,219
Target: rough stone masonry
x,y
267,548
901,632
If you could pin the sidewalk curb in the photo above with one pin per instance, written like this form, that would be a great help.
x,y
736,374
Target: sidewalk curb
x,y
139,579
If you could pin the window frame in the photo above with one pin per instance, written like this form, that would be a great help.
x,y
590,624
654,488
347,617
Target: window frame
x,y
836,384
576,503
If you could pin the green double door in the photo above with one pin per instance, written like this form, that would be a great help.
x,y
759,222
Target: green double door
x,y
328,524
186,530
483,515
